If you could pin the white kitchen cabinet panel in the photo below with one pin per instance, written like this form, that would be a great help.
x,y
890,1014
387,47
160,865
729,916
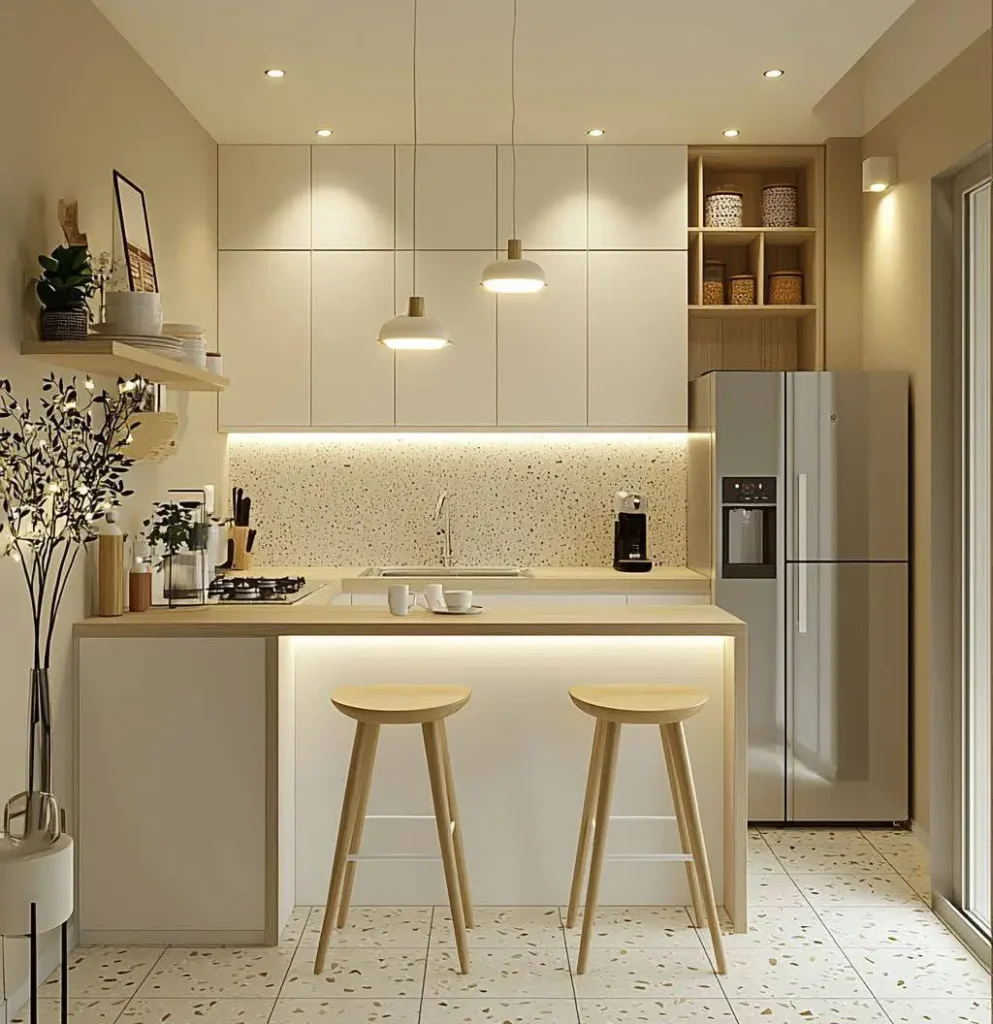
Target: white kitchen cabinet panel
x,y
264,330
456,197
638,197
263,197
551,196
541,344
353,197
454,386
352,374
637,339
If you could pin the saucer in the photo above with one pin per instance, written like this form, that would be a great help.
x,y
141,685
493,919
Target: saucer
x,y
472,610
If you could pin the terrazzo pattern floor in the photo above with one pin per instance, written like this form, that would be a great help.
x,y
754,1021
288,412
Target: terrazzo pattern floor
x,y
841,933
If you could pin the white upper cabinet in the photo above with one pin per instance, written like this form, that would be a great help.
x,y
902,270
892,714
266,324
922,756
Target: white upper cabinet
x,y
352,374
353,197
551,196
454,386
263,315
637,339
542,347
456,197
638,197
263,197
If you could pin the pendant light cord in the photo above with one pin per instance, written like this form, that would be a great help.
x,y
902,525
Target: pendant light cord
x,y
413,241
513,121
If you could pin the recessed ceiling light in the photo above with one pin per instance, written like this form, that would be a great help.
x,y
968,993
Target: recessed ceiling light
x,y
274,73
595,133
774,73
730,133
324,132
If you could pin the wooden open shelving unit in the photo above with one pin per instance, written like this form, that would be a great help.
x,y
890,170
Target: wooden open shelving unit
x,y
105,357
757,337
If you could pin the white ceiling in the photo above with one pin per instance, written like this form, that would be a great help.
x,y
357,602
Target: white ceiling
x,y
647,70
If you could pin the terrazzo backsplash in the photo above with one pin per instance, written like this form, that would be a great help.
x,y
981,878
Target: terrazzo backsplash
x,y
515,499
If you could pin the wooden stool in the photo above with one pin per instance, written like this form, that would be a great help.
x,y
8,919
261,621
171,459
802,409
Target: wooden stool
x,y
371,707
666,707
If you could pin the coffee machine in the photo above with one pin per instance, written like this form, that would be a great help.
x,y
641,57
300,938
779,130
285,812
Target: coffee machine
x,y
630,533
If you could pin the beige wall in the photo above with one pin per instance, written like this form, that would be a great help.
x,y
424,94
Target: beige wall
x,y
76,102
936,129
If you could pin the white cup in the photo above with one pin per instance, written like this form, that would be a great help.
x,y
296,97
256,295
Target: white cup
x,y
458,600
400,599
433,597
135,312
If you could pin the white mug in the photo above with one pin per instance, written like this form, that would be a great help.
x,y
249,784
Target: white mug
x,y
433,597
400,599
458,600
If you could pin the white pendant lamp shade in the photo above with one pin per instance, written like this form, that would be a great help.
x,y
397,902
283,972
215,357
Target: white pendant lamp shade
x,y
513,275
414,330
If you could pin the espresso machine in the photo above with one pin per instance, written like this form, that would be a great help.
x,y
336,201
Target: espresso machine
x,y
630,533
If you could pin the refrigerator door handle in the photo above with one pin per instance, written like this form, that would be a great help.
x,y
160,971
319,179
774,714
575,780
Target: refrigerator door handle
x,y
801,517
801,598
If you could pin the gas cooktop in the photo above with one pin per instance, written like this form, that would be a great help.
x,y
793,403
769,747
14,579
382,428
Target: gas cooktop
x,y
260,589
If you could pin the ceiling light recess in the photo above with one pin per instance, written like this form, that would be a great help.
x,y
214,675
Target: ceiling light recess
x,y
514,275
324,132
275,73
595,133
773,73
730,133
878,173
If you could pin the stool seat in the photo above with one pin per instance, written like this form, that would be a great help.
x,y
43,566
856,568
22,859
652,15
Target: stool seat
x,y
398,704
638,703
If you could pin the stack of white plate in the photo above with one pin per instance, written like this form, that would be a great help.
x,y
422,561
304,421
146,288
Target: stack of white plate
x,y
194,347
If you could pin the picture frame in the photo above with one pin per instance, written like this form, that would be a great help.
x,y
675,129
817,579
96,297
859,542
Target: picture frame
x,y
136,234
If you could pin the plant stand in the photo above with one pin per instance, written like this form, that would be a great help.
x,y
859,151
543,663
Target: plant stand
x,y
36,895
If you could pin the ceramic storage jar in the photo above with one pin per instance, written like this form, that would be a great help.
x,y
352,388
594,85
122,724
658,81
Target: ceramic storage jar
x,y
779,206
724,209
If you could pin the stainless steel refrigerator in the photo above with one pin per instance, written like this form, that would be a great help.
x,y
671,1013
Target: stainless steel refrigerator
x,y
798,510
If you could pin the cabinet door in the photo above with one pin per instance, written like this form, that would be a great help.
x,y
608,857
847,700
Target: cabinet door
x,y
541,342
637,339
551,196
264,331
353,197
263,197
456,386
352,384
456,197
638,197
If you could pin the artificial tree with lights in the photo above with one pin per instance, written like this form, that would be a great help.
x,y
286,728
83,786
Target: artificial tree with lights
x,y
61,469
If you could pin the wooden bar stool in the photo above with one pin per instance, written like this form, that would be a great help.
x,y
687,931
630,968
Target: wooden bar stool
x,y
371,707
666,707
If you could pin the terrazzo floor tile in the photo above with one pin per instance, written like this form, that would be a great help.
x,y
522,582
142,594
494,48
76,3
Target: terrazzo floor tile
x,y
631,973
197,1011
295,926
814,839
500,974
791,974
346,1011
184,973
880,889
761,858
843,857
374,927
924,974
881,927
776,928
503,928
643,927
499,1011
104,972
895,841
938,1011
808,1011
356,973
81,1011
769,890
649,1011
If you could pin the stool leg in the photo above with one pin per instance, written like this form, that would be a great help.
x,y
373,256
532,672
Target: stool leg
x,y
608,768
677,739
364,783
436,771
453,812
341,845
684,836
589,803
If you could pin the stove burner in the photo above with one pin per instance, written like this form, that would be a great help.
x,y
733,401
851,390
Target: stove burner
x,y
255,588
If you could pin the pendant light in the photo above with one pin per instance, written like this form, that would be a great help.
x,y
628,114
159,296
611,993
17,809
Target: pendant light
x,y
414,330
513,275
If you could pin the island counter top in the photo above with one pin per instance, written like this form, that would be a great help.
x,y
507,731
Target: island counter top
x,y
310,620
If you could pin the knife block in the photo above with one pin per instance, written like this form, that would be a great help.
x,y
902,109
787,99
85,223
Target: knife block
x,y
242,557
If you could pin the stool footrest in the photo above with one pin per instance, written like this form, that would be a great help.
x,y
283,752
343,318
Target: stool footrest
x,y
681,857
642,817
355,857
399,817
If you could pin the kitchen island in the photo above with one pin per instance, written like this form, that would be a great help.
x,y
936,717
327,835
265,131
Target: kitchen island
x,y
211,762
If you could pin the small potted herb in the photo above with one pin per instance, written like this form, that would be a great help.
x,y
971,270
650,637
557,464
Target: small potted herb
x,y
174,531
66,283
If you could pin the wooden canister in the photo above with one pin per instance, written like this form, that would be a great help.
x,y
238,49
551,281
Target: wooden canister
x,y
743,290
786,288
110,569
139,591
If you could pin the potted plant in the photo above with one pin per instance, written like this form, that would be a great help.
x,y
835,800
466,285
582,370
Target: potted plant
x,y
61,469
173,530
66,283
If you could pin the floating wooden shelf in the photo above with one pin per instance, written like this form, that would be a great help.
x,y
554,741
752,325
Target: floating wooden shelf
x,y
745,236
792,312
104,357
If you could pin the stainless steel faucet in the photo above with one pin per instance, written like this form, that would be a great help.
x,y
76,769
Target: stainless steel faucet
x,y
443,524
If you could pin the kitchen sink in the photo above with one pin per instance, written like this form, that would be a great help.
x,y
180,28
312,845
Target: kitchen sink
x,y
441,572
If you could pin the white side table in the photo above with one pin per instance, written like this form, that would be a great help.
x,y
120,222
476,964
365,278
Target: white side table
x,y
36,895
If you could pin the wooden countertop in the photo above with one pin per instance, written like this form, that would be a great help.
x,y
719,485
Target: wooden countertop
x,y
304,620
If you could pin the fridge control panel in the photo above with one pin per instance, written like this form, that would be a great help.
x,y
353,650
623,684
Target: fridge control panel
x,y
748,490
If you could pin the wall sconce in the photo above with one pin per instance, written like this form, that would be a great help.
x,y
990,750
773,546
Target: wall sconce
x,y
878,173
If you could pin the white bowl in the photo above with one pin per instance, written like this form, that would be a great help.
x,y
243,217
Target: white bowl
x,y
133,300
